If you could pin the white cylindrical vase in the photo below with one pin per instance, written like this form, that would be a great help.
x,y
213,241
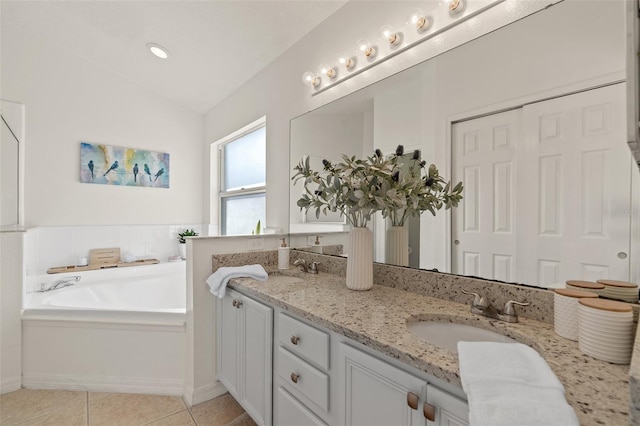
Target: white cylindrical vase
x,y
183,250
397,246
360,260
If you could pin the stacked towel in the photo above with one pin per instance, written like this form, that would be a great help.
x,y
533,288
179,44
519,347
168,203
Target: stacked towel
x,y
218,280
510,384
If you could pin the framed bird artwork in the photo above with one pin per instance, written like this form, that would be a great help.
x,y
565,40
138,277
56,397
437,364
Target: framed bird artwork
x,y
115,165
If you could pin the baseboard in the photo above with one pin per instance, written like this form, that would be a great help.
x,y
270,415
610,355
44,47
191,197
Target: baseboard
x,y
103,384
11,384
203,393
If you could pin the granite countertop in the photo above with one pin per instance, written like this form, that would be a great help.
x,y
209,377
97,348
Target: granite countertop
x,y
597,390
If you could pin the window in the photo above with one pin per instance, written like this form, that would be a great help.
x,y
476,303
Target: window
x,y
242,179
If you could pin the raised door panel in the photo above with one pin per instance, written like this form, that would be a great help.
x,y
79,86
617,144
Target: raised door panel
x,y
375,393
484,152
575,189
256,366
228,343
450,410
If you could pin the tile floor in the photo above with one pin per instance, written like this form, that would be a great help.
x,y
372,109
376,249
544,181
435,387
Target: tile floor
x,y
29,407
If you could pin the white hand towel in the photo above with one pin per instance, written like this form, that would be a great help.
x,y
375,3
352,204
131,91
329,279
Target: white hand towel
x,y
509,404
510,384
504,362
218,280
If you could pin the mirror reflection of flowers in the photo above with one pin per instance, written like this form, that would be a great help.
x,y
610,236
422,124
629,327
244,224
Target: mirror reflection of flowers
x,y
358,188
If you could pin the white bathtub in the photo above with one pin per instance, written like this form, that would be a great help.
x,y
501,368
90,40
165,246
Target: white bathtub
x,y
114,331
149,298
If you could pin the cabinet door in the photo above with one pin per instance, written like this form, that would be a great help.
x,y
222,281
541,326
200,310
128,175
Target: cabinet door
x,y
256,366
449,409
376,393
227,350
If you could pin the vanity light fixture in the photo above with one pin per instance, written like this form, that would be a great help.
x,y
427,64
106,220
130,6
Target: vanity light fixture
x,y
418,28
392,36
311,79
456,6
347,60
367,49
158,50
328,70
418,19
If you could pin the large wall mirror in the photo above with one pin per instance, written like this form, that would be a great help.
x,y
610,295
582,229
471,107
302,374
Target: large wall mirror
x,y
532,119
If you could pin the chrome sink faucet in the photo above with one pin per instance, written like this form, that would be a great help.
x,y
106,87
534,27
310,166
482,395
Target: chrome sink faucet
x,y
311,269
65,282
482,306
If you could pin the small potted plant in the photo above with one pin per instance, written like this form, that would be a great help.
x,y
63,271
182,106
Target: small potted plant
x,y
182,243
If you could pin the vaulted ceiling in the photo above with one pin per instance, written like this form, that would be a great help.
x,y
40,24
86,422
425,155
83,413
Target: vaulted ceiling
x,y
215,46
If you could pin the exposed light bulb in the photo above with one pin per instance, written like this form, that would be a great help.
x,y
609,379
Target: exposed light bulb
x,y
388,33
328,70
348,61
366,48
418,19
158,50
455,6
310,79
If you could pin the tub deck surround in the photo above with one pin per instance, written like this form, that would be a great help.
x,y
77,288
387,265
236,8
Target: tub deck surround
x,y
598,391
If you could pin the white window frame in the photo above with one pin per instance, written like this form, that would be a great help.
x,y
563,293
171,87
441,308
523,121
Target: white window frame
x,y
217,173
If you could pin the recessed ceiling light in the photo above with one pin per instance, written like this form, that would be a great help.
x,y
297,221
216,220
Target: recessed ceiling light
x,y
158,50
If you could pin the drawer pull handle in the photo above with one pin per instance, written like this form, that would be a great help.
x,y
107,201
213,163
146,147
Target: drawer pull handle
x,y
294,377
429,412
412,400
238,303
295,340
235,303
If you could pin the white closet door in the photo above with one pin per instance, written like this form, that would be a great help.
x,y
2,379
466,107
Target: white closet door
x,y
575,219
483,230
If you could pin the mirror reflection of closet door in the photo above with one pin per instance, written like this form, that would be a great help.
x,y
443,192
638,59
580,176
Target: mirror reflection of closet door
x,y
578,223
569,179
9,183
483,226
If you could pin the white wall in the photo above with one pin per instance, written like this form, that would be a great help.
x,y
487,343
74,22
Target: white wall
x,y
69,100
10,306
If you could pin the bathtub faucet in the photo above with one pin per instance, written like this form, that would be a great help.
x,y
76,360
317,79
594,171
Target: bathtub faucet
x,y
65,282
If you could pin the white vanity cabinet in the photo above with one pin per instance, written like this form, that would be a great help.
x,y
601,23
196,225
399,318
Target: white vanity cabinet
x,y
320,377
379,393
302,376
245,342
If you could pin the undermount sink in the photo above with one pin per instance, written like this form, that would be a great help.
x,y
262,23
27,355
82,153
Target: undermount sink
x,y
448,334
284,279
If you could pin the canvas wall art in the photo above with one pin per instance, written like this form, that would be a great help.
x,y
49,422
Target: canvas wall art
x,y
114,165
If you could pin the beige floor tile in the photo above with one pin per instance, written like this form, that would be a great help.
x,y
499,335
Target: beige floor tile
x,y
27,404
71,416
243,420
217,412
183,418
121,409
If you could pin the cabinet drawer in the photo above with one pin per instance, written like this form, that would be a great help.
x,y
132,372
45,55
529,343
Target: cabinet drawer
x,y
292,412
304,340
303,377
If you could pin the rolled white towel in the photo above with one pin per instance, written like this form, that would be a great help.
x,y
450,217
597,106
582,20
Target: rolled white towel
x,y
218,280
